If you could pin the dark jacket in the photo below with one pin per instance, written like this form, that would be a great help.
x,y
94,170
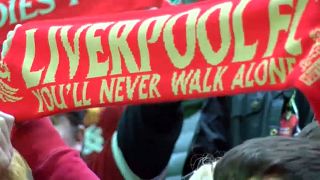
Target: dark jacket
x,y
228,121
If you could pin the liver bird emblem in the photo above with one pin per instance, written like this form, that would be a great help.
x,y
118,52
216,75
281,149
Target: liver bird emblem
x,y
7,93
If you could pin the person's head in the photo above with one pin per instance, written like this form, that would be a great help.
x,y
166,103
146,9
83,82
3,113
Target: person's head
x,y
69,126
271,158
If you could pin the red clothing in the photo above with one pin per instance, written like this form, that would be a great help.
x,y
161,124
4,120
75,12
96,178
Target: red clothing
x,y
109,120
46,153
103,163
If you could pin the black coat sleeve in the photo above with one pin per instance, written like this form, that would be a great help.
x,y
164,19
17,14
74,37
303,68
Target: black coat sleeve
x,y
147,135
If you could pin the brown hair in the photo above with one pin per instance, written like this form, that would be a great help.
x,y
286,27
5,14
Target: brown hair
x,y
288,158
17,170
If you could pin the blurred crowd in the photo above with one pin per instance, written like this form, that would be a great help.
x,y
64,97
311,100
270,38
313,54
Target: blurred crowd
x,y
138,142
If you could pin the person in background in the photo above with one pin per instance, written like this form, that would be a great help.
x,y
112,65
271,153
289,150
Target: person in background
x,y
224,123
46,153
138,141
143,132
269,158
145,139
100,125
70,127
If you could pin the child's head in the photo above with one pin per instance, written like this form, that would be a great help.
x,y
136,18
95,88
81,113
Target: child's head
x,y
271,158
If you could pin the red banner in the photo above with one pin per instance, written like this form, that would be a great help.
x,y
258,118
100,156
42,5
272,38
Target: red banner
x,y
14,12
205,49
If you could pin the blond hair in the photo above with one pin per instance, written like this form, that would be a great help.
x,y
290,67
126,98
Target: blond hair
x,y
18,169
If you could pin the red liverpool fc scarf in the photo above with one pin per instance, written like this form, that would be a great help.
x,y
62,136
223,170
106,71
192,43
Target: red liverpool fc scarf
x,y
14,12
211,48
